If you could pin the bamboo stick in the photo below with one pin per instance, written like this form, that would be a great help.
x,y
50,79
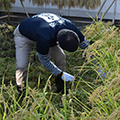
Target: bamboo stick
x,y
8,16
114,11
24,8
109,8
100,8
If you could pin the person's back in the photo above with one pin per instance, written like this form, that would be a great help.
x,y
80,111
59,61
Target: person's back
x,y
44,24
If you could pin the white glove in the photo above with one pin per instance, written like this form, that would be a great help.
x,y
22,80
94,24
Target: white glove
x,y
67,77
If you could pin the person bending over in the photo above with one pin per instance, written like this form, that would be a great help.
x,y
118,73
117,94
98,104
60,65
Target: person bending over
x,y
52,34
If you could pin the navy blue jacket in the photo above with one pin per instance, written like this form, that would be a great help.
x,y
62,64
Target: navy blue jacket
x,y
43,29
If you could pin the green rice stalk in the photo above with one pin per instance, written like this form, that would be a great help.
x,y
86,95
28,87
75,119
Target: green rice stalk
x,y
46,108
2,86
80,79
45,88
65,107
27,80
87,109
38,81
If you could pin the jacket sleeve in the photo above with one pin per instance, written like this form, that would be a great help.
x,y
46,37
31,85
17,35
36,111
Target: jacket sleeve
x,y
84,44
50,66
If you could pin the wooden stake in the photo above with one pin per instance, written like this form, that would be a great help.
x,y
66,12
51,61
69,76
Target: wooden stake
x,y
114,11
109,8
24,8
100,8
8,16
99,11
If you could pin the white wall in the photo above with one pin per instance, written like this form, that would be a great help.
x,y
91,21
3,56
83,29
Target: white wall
x,y
79,12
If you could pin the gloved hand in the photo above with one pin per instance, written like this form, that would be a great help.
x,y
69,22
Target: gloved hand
x,y
60,81
67,77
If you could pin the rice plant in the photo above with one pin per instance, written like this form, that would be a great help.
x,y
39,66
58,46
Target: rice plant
x,y
90,97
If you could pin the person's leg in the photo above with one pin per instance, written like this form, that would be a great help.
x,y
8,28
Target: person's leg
x,y
58,56
23,47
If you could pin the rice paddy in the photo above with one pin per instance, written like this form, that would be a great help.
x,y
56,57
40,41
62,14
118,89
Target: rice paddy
x,y
90,96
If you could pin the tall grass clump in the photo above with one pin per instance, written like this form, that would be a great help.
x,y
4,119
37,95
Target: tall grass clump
x,y
105,98
90,96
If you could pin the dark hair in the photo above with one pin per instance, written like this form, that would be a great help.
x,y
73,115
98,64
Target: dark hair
x,y
68,40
